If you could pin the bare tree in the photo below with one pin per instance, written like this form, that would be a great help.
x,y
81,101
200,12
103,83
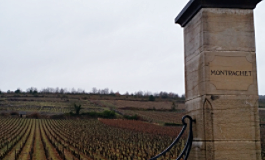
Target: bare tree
x,y
77,108
94,90
102,91
73,91
163,94
147,93
57,90
48,90
80,91
111,92
106,91
32,90
62,91
183,96
139,93
156,94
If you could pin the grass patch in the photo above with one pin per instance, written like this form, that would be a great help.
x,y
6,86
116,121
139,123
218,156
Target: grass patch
x,y
134,117
105,114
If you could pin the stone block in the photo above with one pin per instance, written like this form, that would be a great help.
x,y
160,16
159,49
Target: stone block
x,y
228,30
221,84
225,150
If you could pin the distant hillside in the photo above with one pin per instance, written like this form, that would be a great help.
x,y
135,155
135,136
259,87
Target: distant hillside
x,y
150,108
261,101
261,96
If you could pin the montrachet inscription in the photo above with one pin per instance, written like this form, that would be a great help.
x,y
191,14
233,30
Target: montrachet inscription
x,y
231,73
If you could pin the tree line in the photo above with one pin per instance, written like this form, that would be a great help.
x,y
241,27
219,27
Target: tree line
x,y
95,91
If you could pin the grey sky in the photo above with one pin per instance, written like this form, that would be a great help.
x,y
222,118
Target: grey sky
x,y
125,45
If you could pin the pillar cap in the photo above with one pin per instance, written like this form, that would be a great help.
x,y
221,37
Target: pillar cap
x,y
194,6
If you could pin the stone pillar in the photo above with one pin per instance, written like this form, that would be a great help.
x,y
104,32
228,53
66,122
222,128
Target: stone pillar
x,y
221,79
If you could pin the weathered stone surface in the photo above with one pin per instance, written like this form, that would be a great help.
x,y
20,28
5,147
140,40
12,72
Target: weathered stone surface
x,y
225,117
225,150
206,37
240,67
228,30
226,72
221,84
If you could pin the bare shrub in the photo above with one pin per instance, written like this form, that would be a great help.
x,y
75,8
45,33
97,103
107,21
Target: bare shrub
x,y
14,113
4,114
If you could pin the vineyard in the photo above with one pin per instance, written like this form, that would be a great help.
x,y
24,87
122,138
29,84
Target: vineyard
x,y
125,104
48,130
156,116
88,139
44,107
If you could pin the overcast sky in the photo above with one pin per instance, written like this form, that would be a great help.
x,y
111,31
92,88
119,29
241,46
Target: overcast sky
x,y
123,45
